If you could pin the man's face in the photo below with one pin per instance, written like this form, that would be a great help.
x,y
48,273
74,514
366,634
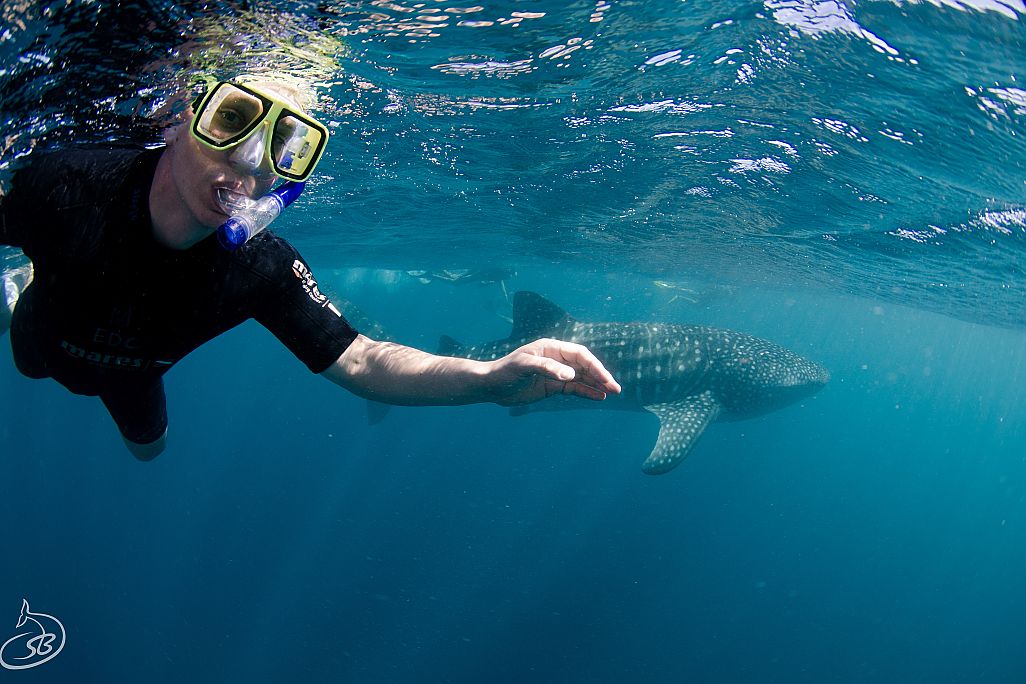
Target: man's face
x,y
196,184
201,174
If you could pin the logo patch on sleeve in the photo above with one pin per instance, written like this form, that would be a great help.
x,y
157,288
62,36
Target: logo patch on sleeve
x,y
306,279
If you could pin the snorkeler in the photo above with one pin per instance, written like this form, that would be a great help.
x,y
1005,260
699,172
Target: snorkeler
x,y
128,277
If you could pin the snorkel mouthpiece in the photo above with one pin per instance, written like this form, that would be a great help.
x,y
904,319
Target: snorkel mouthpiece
x,y
232,202
251,217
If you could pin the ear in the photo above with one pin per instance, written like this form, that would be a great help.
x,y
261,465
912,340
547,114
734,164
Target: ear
x,y
171,133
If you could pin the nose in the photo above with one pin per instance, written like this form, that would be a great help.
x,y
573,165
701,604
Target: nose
x,y
249,155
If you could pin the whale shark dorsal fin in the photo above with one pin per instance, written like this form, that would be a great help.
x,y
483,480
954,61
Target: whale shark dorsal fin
x,y
447,346
534,317
681,423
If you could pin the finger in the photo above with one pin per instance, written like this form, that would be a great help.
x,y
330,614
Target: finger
x,y
540,364
551,368
563,379
606,382
588,365
577,389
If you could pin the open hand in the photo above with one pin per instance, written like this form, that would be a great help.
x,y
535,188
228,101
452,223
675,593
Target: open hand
x,y
546,367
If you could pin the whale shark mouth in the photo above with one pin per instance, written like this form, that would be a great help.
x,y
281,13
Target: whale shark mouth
x,y
820,376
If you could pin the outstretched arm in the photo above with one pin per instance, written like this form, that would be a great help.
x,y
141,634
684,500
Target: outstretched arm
x,y
394,374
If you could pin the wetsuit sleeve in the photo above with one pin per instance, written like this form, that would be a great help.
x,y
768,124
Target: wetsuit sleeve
x,y
54,198
11,224
29,200
303,318
6,236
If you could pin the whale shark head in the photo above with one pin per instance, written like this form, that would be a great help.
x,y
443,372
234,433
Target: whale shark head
x,y
757,377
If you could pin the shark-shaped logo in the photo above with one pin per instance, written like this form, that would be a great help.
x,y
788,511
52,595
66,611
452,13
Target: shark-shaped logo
x,y
687,375
40,641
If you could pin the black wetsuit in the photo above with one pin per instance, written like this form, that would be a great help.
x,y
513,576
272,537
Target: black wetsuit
x,y
110,310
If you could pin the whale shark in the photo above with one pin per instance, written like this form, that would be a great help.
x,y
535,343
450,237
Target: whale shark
x,y
687,375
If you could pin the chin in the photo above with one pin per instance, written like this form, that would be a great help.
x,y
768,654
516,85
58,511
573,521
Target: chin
x,y
214,222
196,238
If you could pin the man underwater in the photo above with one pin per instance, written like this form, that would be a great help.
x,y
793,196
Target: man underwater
x,y
129,278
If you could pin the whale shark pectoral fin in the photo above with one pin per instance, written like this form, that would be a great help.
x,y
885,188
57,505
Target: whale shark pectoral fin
x,y
681,423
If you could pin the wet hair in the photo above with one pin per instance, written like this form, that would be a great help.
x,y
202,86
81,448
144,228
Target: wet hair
x,y
299,94
293,90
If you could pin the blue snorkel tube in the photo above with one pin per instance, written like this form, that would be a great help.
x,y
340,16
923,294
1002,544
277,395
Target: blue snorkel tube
x,y
255,215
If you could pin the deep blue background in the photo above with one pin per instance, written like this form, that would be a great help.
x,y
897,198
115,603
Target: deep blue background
x,y
873,533
783,163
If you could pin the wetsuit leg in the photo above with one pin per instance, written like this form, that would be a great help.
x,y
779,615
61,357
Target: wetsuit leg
x,y
27,351
5,311
13,281
139,409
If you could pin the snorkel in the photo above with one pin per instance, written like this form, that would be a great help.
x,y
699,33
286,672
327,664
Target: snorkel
x,y
250,217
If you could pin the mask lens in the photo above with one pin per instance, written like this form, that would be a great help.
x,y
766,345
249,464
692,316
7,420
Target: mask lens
x,y
229,115
296,145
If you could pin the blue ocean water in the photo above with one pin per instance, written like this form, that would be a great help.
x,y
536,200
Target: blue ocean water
x,y
845,179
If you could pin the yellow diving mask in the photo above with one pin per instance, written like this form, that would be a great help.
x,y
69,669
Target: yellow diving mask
x,y
231,114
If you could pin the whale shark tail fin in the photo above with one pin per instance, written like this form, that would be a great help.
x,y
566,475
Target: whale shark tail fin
x,y
534,317
447,346
681,423
24,613
359,319
376,412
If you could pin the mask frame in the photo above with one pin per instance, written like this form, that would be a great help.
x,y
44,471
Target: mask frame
x,y
273,111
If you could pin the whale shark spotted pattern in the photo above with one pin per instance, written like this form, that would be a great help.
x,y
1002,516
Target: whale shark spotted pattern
x,y
687,375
